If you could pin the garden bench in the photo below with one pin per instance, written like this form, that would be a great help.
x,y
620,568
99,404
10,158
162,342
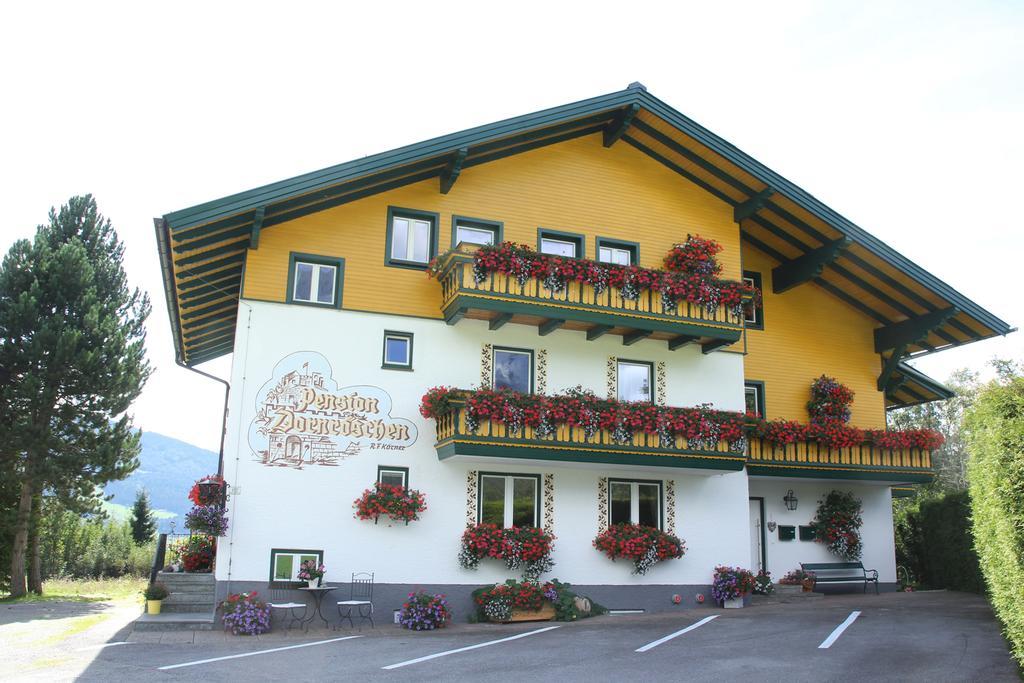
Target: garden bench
x,y
841,572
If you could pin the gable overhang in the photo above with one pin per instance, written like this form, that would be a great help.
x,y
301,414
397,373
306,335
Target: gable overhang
x,y
203,248
912,387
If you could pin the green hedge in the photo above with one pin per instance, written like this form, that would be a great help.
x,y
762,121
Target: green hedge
x,y
995,433
933,541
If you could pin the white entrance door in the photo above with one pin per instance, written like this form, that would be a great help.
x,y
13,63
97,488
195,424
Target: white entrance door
x,y
756,535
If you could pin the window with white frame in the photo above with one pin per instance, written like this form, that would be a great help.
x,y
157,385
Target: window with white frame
x,y
612,254
753,314
411,239
512,369
397,350
634,379
284,564
557,247
472,233
394,476
753,394
509,500
634,502
314,283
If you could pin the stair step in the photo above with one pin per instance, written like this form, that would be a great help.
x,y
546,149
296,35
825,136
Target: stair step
x,y
185,621
186,607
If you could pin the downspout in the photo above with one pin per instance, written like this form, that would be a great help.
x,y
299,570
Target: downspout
x,y
224,418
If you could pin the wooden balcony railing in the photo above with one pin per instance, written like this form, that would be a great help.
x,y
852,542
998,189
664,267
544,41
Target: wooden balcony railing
x,y
809,458
571,444
531,303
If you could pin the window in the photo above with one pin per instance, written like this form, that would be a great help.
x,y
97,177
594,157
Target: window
x,y
754,396
634,380
475,231
315,280
513,369
634,502
560,243
753,315
284,564
411,237
395,476
509,499
397,351
619,253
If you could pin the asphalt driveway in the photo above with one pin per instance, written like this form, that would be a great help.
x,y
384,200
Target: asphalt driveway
x,y
922,636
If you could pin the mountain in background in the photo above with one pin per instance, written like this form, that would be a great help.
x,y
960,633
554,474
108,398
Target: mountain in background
x,y
167,469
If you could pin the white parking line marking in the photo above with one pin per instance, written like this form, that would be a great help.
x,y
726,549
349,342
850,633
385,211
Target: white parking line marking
x,y
253,654
834,636
670,636
469,647
99,647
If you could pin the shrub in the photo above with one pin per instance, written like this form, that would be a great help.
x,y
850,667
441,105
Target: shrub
x,y
155,591
424,612
995,437
948,558
645,545
246,614
397,502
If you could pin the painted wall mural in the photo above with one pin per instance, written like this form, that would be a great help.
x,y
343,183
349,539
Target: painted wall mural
x,y
304,418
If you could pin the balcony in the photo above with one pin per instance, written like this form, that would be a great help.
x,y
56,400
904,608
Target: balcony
x,y
500,299
865,462
570,444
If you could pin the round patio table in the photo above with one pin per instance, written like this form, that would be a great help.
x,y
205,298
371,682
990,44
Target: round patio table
x,y
318,594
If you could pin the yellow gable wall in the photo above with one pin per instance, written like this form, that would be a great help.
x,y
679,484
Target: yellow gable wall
x,y
577,186
807,333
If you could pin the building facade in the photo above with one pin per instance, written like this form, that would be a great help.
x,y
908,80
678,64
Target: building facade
x,y
319,287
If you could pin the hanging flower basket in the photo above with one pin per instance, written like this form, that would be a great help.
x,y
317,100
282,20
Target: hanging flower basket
x,y
210,490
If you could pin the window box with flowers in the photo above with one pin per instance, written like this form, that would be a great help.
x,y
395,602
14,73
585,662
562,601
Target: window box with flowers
x,y
398,503
522,548
646,546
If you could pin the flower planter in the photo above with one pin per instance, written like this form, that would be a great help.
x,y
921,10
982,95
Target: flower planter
x,y
153,606
733,603
545,613
314,583
808,585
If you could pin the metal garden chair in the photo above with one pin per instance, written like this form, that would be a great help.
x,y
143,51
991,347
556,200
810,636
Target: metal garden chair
x,y
281,599
360,598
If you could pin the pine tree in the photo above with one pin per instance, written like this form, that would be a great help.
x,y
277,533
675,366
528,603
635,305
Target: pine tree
x,y
72,349
143,524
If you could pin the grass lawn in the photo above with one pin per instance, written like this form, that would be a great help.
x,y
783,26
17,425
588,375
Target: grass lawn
x,y
85,590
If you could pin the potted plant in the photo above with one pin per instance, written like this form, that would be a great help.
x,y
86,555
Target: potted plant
x,y
730,584
798,577
644,545
208,491
763,583
154,594
517,601
245,614
311,572
424,612
197,553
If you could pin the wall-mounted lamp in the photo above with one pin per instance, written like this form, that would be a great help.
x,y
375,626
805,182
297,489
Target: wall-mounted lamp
x,y
790,500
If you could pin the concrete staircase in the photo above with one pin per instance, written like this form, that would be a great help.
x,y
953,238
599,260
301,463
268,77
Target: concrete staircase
x,y
191,605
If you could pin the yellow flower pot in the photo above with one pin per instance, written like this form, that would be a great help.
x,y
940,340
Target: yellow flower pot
x,y
153,606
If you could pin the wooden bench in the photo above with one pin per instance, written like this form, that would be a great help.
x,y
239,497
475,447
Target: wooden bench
x,y
842,572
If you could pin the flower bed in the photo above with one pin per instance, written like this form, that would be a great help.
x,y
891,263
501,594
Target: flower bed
x,y
691,274
497,602
397,502
644,545
528,548
702,427
245,614
424,612
732,582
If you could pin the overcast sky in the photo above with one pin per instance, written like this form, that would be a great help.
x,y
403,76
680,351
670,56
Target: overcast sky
x,y
906,120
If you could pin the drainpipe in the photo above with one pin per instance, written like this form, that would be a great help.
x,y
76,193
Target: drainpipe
x,y
224,419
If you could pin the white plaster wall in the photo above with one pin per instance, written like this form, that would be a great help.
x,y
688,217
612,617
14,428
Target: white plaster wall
x,y
278,507
876,533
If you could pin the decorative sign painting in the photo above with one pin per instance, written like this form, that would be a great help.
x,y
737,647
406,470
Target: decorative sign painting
x,y
304,418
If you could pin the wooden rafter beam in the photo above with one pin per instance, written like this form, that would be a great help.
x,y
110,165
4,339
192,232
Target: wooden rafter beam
x,y
680,341
751,206
618,126
257,225
714,345
549,326
450,173
885,380
598,331
911,331
499,321
807,267
634,337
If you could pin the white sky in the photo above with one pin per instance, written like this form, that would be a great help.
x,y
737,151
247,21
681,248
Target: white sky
x,y
907,120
